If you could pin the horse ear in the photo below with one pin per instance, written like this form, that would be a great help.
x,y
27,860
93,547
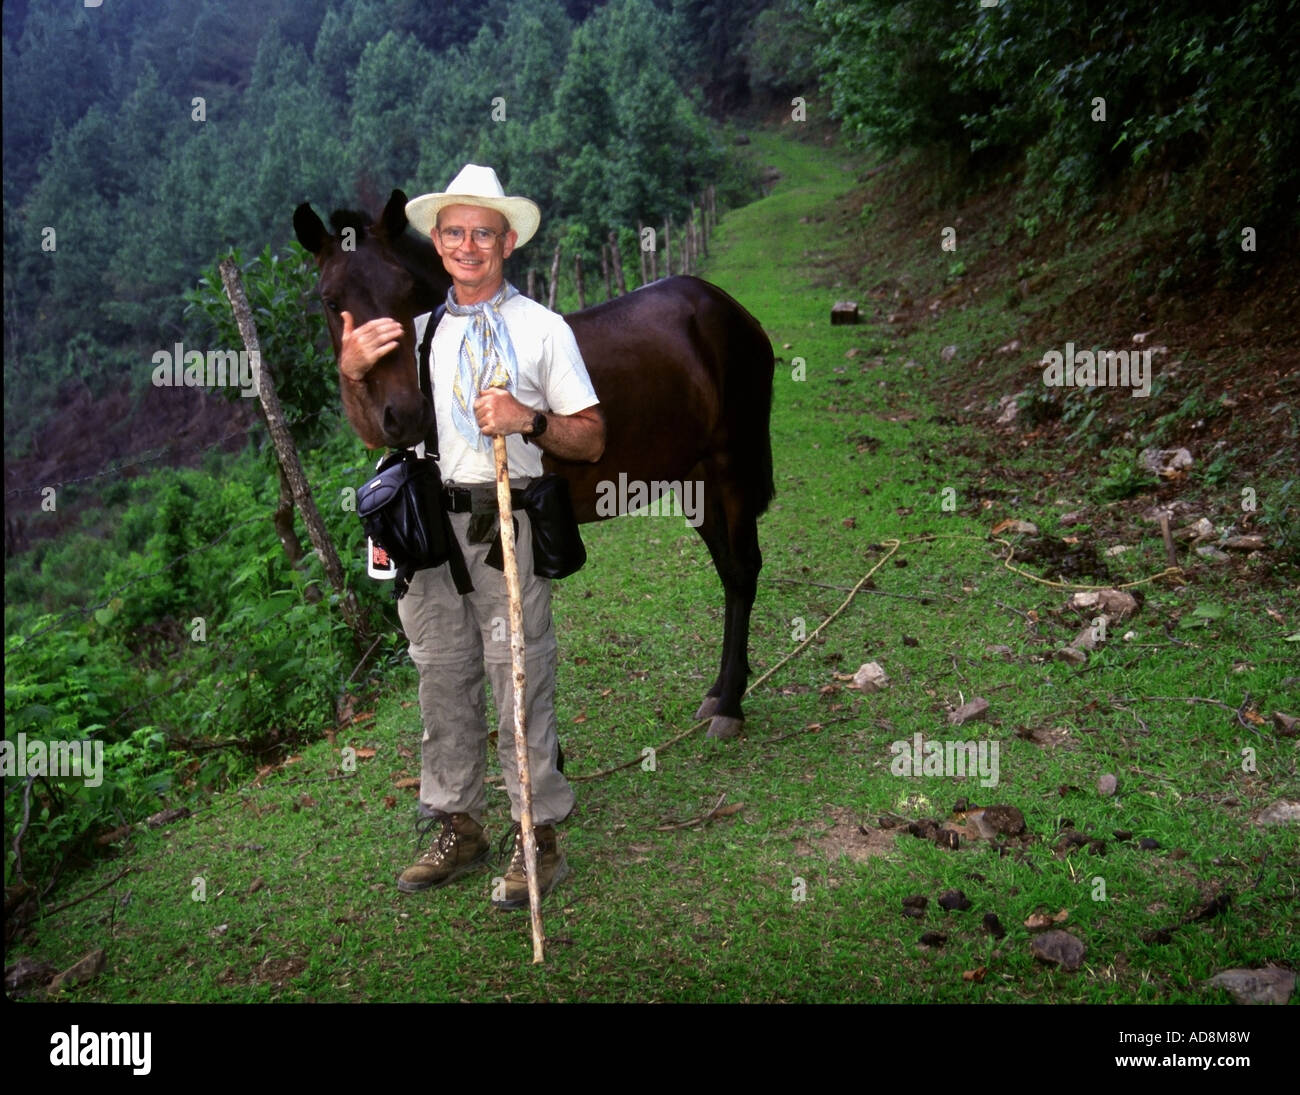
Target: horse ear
x,y
309,228
393,218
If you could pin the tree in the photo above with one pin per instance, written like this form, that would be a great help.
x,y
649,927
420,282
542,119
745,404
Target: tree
x,y
780,50
535,43
38,93
716,31
390,111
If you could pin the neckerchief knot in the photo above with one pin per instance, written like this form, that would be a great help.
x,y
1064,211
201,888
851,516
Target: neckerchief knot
x,y
486,359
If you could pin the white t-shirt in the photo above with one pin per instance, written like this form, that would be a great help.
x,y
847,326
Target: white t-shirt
x,y
552,377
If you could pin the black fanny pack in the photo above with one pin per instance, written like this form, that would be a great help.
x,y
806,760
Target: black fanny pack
x,y
401,508
558,550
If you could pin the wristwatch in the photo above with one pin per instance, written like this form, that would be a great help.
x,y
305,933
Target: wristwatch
x,y
539,427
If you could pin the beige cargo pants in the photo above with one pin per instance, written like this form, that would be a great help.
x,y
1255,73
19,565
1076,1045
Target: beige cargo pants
x,y
452,639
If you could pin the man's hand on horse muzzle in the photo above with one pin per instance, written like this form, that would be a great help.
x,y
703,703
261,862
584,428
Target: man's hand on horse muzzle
x,y
362,348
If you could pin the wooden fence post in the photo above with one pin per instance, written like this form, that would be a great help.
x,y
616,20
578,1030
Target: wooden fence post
x,y
577,277
287,455
555,280
693,240
619,279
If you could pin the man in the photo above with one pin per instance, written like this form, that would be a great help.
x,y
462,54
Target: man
x,y
490,334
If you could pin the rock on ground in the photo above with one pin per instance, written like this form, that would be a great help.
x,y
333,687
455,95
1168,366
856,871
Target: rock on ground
x,y
975,709
1271,985
87,969
1058,948
1279,813
870,677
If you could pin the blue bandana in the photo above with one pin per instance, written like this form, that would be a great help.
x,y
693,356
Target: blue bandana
x,y
487,359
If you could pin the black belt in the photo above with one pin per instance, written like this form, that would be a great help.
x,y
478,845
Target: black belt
x,y
461,499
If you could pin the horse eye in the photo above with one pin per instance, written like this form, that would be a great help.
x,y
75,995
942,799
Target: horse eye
x,y
331,304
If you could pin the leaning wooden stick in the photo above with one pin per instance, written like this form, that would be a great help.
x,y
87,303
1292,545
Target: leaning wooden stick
x,y
511,567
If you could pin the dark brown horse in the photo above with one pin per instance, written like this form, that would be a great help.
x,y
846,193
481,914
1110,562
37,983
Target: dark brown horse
x,y
683,374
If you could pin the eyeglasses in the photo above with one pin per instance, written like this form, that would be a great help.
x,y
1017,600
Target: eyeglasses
x,y
454,237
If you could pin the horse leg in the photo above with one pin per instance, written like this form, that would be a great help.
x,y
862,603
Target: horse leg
x,y
730,530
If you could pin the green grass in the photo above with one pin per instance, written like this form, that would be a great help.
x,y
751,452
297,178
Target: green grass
x,y
708,913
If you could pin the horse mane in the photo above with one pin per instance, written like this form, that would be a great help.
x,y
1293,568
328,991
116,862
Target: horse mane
x,y
350,218
415,253
419,257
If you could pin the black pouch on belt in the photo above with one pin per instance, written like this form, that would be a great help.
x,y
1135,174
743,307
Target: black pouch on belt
x,y
401,509
557,547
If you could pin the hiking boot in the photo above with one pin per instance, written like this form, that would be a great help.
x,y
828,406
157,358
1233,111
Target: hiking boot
x,y
460,848
551,868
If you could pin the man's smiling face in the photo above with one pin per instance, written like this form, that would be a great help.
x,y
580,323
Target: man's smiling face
x,y
477,271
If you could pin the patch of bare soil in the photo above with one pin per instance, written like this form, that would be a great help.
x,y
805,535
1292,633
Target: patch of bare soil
x,y
94,442
847,836
276,972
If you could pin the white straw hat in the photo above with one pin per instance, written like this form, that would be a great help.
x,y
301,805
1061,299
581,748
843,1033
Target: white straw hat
x,y
476,185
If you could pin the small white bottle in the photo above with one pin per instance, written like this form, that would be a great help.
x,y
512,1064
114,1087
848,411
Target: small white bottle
x,y
378,564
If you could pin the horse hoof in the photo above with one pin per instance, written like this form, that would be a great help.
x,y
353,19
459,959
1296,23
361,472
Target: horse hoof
x,y
724,726
707,708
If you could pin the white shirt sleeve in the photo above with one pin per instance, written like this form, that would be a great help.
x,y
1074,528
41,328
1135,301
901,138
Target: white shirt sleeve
x,y
567,385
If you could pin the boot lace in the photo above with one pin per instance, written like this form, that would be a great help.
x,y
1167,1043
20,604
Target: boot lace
x,y
445,842
514,833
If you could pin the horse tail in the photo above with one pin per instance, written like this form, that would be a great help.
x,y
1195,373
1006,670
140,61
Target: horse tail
x,y
745,365
756,399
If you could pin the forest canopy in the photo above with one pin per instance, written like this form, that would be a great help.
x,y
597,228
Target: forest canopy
x,y
143,140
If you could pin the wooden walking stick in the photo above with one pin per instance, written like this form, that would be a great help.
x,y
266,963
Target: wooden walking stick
x,y
511,567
